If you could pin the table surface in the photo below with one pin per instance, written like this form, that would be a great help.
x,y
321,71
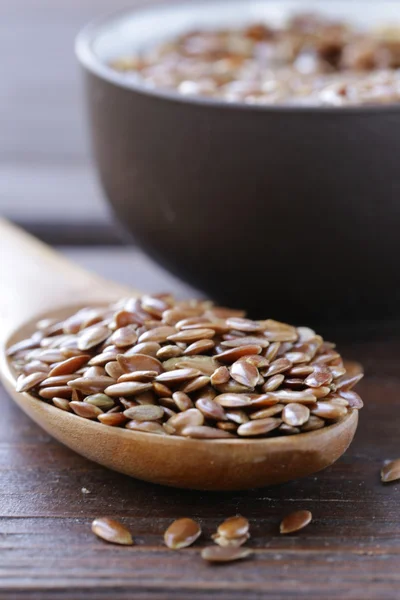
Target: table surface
x,y
350,550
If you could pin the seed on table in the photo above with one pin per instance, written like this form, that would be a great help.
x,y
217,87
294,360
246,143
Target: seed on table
x,y
112,531
101,359
199,347
112,419
159,334
182,533
232,400
113,369
204,432
232,355
195,384
258,427
127,388
234,527
171,351
177,376
189,418
327,410
220,375
295,414
62,391
391,471
295,521
85,410
211,409
182,401
147,348
101,401
230,543
273,383
146,427
218,554
267,412
70,365
313,424
144,412
244,373
27,382
62,403
139,362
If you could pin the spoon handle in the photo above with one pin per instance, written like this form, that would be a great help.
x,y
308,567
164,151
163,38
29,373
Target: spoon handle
x,y
35,279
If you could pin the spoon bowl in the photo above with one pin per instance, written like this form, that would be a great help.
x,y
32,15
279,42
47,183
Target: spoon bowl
x,y
49,286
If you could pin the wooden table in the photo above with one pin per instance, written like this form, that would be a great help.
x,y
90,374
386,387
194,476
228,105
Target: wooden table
x,y
49,496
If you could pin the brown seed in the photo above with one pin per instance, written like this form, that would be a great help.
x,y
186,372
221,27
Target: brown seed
x,y
391,471
273,383
204,432
352,398
237,416
182,533
143,376
218,554
101,401
288,429
321,392
227,426
353,368
303,397
112,419
188,418
300,371
61,403
244,373
91,385
50,356
195,384
144,412
177,376
158,334
125,336
295,414
247,340
267,412
49,393
313,424
27,382
233,387
255,359
182,401
263,400
101,359
258,427
112,531
122,318
94,372
220,375
113,369
71,365
93,337
139,362
35,366
199,347
241,324
127,388
234,527
295,521
170,351
85,410
279,332
192,335
272,351
232,355
230,543
347,382
145,398
280,365
232,400
147,348
146,427
320,376
58,380
210,409
161,390
205,364
328,410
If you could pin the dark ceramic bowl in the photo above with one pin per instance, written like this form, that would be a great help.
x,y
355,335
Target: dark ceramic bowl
x,y
286,211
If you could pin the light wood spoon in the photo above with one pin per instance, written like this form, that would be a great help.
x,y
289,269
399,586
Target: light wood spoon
x,y
37,282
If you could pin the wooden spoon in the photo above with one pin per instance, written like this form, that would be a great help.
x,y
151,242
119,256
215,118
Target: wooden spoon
x,y
37,282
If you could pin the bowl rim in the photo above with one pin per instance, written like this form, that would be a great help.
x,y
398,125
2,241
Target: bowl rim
x,y
92,63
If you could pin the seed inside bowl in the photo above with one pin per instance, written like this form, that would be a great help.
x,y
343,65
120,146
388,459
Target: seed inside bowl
x,y
282,381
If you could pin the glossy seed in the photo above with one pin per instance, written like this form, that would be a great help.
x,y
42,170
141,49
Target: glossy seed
x,y
230,543
113,369
93,337
232,400
258,427
144,412
295,521
237,416
147,348
295,414
320,376
391,471
101,401
91,385
58,380
313,424
220,375
182,533
204,432
61,403
71,365
268,412
49,393
286,429
27,382
182,401
112,531
141,376
127,388
327,410
177,376
170,351
234,527
189,418
112,419
195,384
199,347
244,373
273,383
139,362
146,427
280,365
158,334
217,554
245,341
85,410
125,336
303,397
232,355
352,398
210,409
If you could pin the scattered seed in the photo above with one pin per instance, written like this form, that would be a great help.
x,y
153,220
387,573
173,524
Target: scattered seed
x,y
230,543
391,471
295,521
218,554
112,531
234,527
182,533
